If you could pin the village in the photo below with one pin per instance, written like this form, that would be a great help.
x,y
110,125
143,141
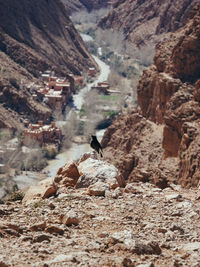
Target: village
x,y
56,92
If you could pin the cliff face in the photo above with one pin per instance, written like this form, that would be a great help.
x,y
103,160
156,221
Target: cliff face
x,y
147,20
42,34
169,94
35,36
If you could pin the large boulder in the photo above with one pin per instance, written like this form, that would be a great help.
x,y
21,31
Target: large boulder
x,y
94,170
67,175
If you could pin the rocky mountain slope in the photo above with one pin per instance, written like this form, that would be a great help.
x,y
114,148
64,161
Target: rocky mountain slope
x,y
143,22
168,94
88,5
34,37
99,223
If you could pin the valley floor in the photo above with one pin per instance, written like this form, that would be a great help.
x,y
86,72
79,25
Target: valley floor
x,y
140,225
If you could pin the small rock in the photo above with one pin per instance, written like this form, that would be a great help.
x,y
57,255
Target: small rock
x,y
127,263
50,191
195,246
98,189
15,227
125,237
2,212
112,182
51,206
177,228
173,196
38,227
133,189
184,204
58,178
3,264
41,238
70,219
54,230
151,247
61,258
150,264
162,230
84,157
26,238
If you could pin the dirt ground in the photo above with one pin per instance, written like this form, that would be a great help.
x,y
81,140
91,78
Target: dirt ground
x,y
140,225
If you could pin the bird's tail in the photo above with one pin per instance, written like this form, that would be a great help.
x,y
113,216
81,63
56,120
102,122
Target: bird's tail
x,y
101,153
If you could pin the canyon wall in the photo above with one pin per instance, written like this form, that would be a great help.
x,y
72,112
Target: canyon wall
x,y
168,97
35,36
147,21
87,5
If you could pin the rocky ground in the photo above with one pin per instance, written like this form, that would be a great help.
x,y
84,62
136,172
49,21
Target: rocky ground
x,y
97,223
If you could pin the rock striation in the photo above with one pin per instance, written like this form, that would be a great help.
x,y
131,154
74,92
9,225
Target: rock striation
x,y
34,37
88,5
143,22
168,94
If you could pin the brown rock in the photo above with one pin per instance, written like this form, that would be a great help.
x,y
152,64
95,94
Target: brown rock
x,y
3,264
50,191
94,171
150,248
38,227
98,189
68,174
153,18
52,229
197,91
166,95
41,238
33,59
43,190
154,91
71,218
127,263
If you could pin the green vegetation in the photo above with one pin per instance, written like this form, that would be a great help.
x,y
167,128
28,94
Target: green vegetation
x,y
82,112
50,151
110,97
110,113
38,204
5,135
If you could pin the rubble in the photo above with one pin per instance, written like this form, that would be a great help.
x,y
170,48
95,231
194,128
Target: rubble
x,y
139,227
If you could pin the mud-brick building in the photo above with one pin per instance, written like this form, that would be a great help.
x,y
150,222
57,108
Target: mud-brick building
x,y
78,81
91,72
42,134
58,94
102,87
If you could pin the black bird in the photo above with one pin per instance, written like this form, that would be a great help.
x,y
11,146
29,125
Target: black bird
x,y
96,145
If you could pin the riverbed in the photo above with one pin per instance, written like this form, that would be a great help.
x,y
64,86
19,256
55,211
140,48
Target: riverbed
x,y
77,150
78,99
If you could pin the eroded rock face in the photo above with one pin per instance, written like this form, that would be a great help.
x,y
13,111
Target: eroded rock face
x,y
34,37
168,94
154,91
147,21
89,5
134,145
177,105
